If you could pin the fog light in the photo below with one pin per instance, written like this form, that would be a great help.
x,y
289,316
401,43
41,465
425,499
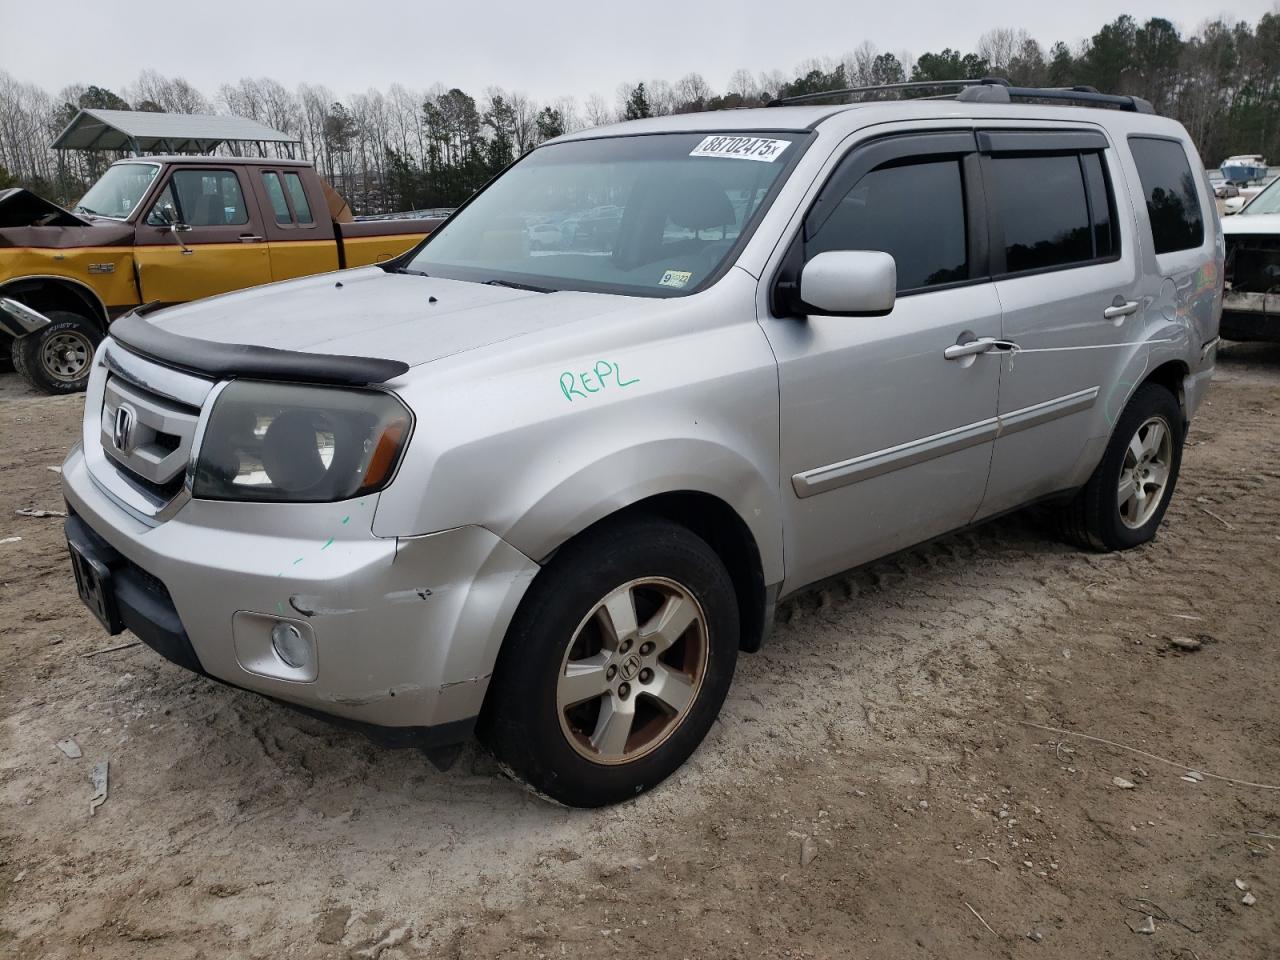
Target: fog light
x,y
290,645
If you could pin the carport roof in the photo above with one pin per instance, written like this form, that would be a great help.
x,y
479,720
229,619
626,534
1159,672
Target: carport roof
x,y
144,132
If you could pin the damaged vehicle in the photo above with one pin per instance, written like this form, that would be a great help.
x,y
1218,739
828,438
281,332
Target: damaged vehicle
x,y
166,229
548,493
1251,304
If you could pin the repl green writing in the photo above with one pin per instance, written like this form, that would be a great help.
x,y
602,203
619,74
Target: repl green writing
x,y
604,374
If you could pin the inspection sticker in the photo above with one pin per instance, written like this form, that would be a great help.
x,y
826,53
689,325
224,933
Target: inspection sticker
x,y
675,278
741,148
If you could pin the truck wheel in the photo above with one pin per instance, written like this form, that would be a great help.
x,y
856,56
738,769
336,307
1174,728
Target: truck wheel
x,y
58,358
1126,498
616,664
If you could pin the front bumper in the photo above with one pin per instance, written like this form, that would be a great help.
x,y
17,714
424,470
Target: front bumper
x,y
1251,316
405,631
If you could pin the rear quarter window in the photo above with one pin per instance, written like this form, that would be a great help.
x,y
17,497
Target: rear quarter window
x,y
1169,187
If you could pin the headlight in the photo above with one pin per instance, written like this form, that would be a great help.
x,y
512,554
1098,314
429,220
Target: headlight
x,y
285,442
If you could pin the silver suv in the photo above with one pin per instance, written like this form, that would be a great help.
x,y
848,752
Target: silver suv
x,y
544,476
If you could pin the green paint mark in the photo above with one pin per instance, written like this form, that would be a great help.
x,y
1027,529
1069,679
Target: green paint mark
x,y
574,384
346,520
328,543
279,607
298,561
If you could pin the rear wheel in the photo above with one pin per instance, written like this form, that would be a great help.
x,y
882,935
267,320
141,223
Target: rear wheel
x,y
58,358
1126,498
616,664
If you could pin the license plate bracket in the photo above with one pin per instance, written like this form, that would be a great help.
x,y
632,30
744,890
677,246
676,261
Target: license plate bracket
x,y
93,583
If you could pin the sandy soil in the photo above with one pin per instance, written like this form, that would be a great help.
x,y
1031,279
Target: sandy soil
x,y
879,738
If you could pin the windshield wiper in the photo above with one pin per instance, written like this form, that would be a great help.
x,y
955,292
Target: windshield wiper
x,y
518,286
82,207
408,272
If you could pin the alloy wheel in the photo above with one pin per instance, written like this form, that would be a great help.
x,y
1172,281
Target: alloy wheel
x,y
1144,474
632,670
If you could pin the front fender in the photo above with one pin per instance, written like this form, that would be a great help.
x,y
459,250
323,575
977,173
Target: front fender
x,y
607,484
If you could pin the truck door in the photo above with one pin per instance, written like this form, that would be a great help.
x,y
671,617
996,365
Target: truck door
x,y
300,234
218,244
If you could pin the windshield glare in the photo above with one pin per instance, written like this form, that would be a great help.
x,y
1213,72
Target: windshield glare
x,y
647,215
1268,201
120,190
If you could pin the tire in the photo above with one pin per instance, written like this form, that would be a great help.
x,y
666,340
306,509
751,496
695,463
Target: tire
x,y
566,741
1097,518
58,358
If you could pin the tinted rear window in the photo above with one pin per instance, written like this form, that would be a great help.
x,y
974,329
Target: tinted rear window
x,y
1105,241
914,212
1040,201
1170,189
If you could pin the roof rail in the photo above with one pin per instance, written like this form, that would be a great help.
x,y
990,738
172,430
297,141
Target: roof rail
x,y
986,90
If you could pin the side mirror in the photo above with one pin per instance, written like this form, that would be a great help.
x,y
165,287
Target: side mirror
x,y
1232,205
850,283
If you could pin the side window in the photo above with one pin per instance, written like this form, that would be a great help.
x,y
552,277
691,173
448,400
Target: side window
x,y
1040,202
165,199
203,198
298,194
914,211
1101,203
279,205
1170,189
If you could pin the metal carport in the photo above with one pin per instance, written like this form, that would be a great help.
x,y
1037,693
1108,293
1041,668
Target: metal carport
x,y
140,131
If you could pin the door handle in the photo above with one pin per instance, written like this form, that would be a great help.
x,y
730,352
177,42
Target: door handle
x,y
250,238
1120,308
958,351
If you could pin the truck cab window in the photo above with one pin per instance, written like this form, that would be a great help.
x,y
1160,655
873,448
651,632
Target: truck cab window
x,y
275,192
298,196
202,198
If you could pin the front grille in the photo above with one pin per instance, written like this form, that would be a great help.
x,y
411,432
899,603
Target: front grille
x,y
147,436
1253,264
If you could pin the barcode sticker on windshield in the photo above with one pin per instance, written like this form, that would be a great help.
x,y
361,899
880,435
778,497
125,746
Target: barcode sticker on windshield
x,y
741,148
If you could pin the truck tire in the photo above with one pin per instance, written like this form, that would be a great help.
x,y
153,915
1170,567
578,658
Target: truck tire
x,y
616,664
58,358
1126,498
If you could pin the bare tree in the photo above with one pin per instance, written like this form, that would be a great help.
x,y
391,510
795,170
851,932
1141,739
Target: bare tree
x,y
597,111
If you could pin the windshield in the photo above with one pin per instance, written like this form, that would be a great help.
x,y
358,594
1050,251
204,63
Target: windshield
x,y
648,215
119,191
1268,201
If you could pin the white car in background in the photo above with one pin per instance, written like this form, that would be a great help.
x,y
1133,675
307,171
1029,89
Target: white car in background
x,y
1251,304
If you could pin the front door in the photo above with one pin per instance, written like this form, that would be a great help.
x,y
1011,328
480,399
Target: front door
x,y
222,250
886,435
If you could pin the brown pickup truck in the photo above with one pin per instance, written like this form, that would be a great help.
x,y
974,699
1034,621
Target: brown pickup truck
x,y
166,230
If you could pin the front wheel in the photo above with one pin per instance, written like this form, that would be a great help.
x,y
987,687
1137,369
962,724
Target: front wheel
x,y
616,665
1126,498
58,358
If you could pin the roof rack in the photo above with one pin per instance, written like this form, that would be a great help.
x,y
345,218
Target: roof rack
x,y
985,90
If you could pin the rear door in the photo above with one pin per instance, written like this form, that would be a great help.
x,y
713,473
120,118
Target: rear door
x,y
300,236
224,248
1066,268
886,442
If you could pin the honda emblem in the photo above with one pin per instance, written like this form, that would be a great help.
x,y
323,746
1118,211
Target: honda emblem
x,y
123,433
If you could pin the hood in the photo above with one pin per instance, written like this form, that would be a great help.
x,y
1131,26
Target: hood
x,y
1252,223
20,207
371,313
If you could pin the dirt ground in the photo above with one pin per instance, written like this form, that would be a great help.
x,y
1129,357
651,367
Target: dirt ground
x,y
881,738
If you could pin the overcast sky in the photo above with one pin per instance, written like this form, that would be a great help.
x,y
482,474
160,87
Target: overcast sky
x,y
546,49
